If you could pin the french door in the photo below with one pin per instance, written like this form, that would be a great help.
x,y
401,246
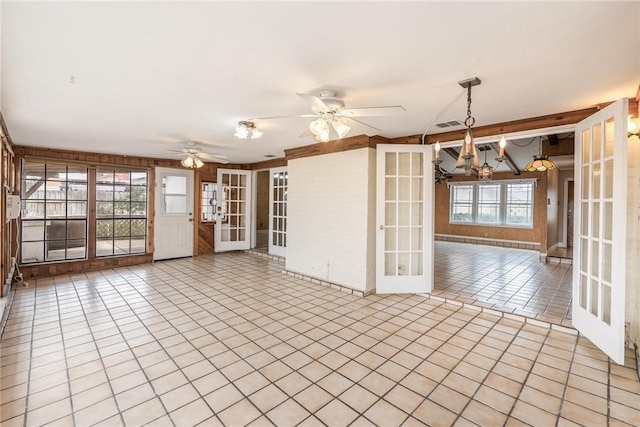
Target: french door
x,y
404,212
233,210
278,178
173,228
600,222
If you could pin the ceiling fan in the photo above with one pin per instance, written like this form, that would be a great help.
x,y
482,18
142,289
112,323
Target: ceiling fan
x,y
332,118
193,156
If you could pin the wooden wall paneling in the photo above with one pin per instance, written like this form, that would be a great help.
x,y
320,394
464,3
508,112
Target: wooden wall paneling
x,y
267,164
537,234
151,208
51,269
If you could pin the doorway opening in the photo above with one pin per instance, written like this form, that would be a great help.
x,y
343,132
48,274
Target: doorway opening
x,y
262,211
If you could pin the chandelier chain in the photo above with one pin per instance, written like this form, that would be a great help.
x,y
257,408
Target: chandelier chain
x,y
469,121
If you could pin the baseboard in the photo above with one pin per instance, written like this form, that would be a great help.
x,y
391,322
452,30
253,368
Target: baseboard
x,y
515,244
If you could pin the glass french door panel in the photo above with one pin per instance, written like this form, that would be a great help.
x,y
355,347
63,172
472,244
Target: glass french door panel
x,y
403,214
279,178
598,281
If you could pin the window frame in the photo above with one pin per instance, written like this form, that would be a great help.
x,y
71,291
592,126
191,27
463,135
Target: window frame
x,y
51,237
120,218
503,203
90,217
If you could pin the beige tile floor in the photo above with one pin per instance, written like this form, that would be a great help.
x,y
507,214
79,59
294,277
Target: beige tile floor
x,y
229,340
506,279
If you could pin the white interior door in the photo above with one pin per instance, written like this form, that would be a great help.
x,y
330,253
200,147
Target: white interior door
x,y
600,228
278,178
404,236
233,216
173,228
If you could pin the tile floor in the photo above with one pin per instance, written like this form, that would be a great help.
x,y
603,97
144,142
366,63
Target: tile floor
x,y
229,340
507,279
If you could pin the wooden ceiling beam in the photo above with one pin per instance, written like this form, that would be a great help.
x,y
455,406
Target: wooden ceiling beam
x,y
452,152
523,125
540,122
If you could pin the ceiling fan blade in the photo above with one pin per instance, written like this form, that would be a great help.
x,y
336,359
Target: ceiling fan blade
x,y
284,117
392,110
314,101
369,130
216,158
305,134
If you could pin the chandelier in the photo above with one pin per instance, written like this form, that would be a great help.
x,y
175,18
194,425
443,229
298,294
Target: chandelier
x,y
468,158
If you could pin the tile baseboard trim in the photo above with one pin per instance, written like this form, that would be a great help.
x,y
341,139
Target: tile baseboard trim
x,y
496,311
341,288
516,244
265,255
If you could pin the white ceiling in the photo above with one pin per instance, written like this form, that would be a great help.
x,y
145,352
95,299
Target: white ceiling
x,y
150,76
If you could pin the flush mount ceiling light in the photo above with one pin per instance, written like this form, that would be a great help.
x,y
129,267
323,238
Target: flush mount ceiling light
x,y
468,158
244,128
540,162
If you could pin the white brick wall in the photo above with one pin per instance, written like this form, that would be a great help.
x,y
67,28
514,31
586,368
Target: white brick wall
x,y
331,218
632,310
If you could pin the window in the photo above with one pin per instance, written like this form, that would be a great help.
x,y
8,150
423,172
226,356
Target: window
x,y
54,212
462,203
495,203
58,214
121,212
174,194
208,202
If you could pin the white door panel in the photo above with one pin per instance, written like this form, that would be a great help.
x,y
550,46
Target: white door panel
x,y
599,267
404,235
173,229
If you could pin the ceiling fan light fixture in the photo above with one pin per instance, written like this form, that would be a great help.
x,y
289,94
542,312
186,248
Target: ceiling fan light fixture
x,y
341,128
192,161
187,162
317,127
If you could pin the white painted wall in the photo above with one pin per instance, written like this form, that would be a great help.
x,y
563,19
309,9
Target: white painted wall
x,y
331,218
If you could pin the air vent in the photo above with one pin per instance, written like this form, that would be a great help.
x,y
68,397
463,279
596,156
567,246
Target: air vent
x,y
270,156
449,124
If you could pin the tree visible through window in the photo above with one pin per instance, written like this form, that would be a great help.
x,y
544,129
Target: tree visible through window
x,y
495,203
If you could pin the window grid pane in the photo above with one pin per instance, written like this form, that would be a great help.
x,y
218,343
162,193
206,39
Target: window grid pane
x,y
56,192
500,204
121,209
